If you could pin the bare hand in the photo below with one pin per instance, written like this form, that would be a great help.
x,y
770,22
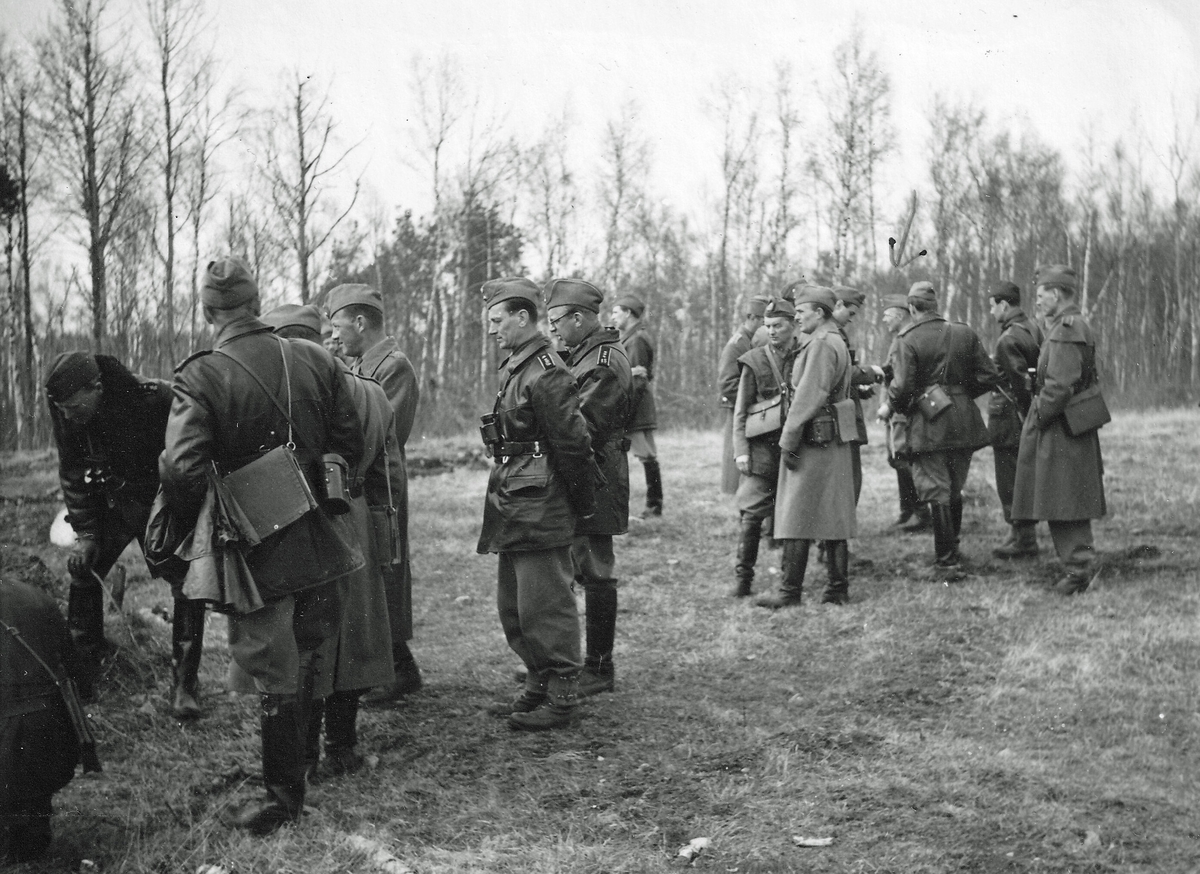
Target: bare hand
x,y
743,464
641,371
83,558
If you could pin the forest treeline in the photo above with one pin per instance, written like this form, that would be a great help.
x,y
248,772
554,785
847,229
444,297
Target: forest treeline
x,y
124,167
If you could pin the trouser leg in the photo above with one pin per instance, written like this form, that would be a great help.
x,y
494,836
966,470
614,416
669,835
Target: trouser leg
x,y
654,488
1073,543
593,559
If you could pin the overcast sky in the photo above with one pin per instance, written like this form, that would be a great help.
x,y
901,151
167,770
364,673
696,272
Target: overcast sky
x,y
1053,67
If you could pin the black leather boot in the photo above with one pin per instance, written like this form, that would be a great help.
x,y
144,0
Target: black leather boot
x,y
654,489
85,619
600,628
747,555
837,590
283,768
341,734
795,562
312,740
945,543
562,696
187,642
956,511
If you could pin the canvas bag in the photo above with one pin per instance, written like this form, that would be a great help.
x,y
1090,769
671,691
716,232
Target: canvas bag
x,y
1085,412
766,417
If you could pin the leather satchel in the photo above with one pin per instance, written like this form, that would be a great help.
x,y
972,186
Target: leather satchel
x,y
272,491
764,417
1086,412
846,412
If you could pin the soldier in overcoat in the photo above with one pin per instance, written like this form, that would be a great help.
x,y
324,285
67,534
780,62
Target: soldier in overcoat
x,y
1060,478
359,656
848,303
765,373
815,495
541,487
604,383
1016,355
627,314
109,426
250,394
728,378
356,314
933,351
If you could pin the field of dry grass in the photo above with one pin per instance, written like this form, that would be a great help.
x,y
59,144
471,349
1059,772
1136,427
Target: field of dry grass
x,y
980,725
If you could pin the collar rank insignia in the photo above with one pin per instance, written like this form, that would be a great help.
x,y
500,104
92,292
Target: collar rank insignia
x,y
546,361
605,355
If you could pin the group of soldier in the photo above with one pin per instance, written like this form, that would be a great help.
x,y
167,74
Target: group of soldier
x,y
269,481
792,388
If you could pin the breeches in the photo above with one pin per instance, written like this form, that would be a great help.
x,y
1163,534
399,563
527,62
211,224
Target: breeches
x,y
274,643
939,476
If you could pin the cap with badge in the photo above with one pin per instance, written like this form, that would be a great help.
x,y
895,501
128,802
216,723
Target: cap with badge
x,y
577,293
851,297
69,372
631,302
294,315
510,288
228,284
352,294
777,308
1056,276
895,302
816,294
923,290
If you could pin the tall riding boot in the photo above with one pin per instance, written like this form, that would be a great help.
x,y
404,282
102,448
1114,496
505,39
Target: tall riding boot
x,y
837,590
85,619
187,642
795,562
654,489
283,767
945,543
562,695
312,739
956,511
600,627
341,734
747,555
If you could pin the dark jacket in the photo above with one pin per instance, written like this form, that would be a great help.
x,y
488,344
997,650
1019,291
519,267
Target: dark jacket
x,y
387,365
728,371
604,385
758,383
115,456
640,351
1060,477
221,415
1016,352
924,347
534,499
38,748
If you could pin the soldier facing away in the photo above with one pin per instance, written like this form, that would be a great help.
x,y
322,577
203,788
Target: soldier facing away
x,y
627,318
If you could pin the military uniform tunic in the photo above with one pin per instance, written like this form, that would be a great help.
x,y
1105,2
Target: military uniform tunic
x,y
542,486
1016,352
756,490
728,379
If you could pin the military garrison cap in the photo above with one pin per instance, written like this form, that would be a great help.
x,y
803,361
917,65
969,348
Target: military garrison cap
x,y
293,315
923,290
1057,276
631,302
577,293
780,307
851,297
510,288
353,294
758,306
817,294
789,290
228,284
69,372
895,302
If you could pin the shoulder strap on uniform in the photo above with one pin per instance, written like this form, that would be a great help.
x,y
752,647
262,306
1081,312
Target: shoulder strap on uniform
x,y
545,360
605,355
185,362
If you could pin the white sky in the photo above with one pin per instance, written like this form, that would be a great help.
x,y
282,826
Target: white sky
x,y
1053,67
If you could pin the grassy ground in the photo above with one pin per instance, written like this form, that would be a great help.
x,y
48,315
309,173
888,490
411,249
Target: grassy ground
x,y
981,725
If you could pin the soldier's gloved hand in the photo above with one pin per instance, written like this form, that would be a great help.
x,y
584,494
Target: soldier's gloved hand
x,y
792,461
880,375
83,557
743,464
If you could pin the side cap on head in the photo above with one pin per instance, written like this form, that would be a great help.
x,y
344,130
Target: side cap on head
x,y
1056,276
631,302
817,294
510,288
780,307
291,315
228,284
757,306
923,290
851,297
352,294
895,302
69,372
577,293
